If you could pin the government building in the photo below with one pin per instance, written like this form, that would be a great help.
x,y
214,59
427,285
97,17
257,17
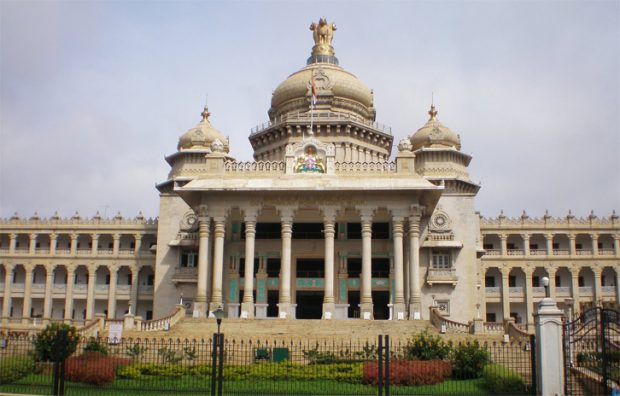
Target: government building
x,y
324,224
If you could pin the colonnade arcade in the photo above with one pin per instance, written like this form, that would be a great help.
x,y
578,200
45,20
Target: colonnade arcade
x,y
73,292
511,291
400,249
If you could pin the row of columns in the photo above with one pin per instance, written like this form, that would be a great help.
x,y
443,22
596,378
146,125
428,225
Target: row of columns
x,y
74,242
551,271
49,278
549,244
287,214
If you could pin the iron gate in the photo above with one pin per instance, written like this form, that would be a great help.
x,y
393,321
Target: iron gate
x,y
592,353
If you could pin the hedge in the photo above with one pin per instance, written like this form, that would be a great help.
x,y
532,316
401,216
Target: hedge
x,y
15,367
502,380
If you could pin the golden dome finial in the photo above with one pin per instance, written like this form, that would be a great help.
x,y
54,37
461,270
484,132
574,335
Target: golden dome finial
x,y
323,33
433,113
205,114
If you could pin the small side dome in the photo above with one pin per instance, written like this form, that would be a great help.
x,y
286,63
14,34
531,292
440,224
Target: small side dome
x,y
434,135
202,136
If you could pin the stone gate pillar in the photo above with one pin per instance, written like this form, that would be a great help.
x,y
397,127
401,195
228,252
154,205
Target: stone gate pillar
x,y
549,349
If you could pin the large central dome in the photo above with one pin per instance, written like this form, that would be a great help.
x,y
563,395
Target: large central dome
x,y
326,102
337,90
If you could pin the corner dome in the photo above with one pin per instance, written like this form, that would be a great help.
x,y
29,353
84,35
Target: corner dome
x,y
434,135
336,90
203,136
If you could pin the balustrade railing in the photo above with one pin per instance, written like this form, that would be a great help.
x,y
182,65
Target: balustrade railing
x,y
163,323
562,290
258,166
369,167
492,289
439,321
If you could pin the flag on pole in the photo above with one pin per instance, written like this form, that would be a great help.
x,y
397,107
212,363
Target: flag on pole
x,y
313,91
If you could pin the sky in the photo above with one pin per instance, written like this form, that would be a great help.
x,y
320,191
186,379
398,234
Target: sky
x,y
94,94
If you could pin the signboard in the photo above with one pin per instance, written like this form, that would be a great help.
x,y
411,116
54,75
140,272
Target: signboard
x,y
116,333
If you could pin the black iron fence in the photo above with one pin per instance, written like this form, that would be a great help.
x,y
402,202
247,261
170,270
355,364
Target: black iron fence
x,y
285,367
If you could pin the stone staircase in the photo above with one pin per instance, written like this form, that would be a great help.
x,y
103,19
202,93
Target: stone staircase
x,y
299,329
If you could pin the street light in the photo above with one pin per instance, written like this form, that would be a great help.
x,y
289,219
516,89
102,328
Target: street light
x,y
545,282
219,315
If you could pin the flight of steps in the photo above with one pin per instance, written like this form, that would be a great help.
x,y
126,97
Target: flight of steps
x,y
299,329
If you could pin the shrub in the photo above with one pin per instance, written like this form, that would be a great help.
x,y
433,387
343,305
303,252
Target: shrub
x,y
468,360
56,342
92,368
134,351
409,372
15,367
425,346
95,345
502,380
138,370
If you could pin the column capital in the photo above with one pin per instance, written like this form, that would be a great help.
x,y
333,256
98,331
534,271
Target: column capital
x,y
597,269
203,226
9,267
113,269
250,214
70,268
287,213
74,236
594,236
572,236
525,236
116,236
92,270
28,268
574,270
33,235
549,236
503,236
329,214
551,270
397,227
138,235
94,236
53,236
528,271
416,212
218,229
505,270
202,210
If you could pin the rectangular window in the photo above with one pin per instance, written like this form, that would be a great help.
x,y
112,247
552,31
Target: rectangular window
x,y
578,246
189,259
535,281
380,268
354,267
273,267
441,260
512,281
487,246
489,281
380,230
491,318
242,267
555,245
354,231
582,281
308,231
510,246
533,246
310,268
265,230
558,281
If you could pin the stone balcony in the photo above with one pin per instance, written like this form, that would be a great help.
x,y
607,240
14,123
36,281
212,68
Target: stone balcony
x,y
442,276
185,275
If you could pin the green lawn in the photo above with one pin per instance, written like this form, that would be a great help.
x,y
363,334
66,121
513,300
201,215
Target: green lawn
x,y
36,384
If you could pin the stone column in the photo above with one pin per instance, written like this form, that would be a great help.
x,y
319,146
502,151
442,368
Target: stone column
x,y
366,307
13,243
551,271
74,240
94,244
574,271
137,243
347,152
415,301
329,305
112,292
598,287
398,305
200,304
505,292
90,297
503,244
33,243
53,241
617,244
116,239
284,305
49,284
218,263
69,293
8,282
549,349
573,247
27,292
247,304
526,244
133,292
529,301
549,239
594,238
617,286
